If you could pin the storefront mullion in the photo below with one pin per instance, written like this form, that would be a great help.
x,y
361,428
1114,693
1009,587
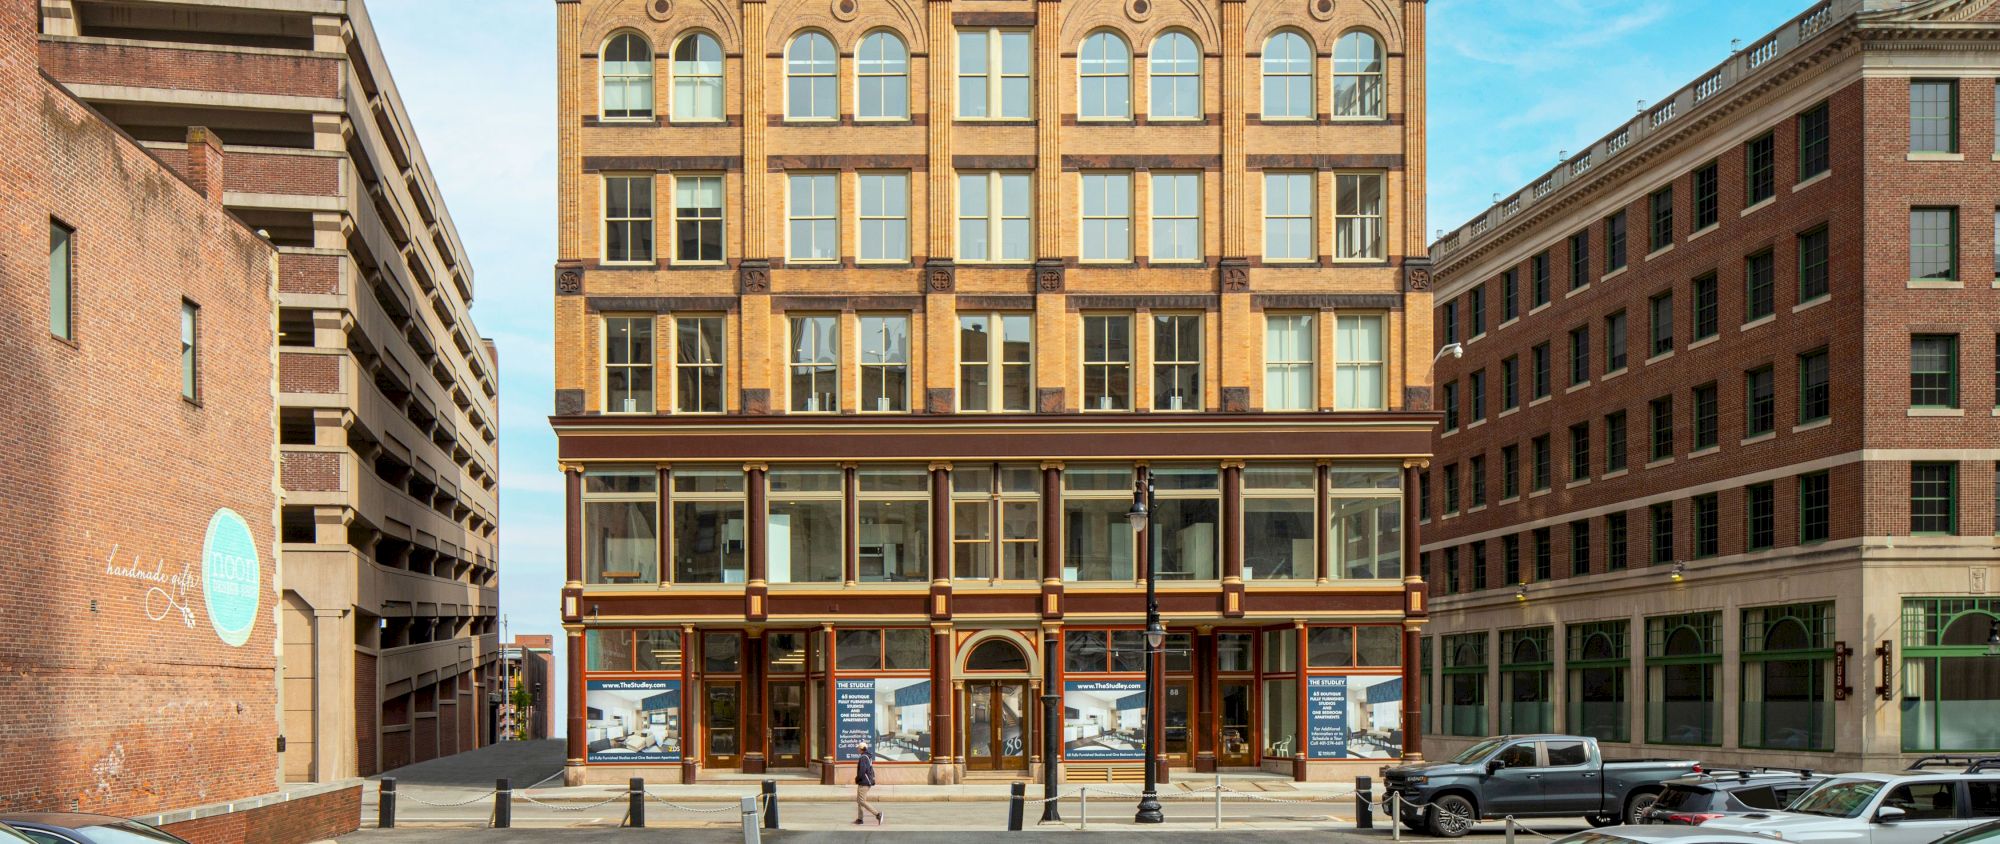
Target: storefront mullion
x,y
1951,675
1787,677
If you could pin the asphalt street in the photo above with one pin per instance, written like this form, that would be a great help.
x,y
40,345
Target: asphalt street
x,y
1181,834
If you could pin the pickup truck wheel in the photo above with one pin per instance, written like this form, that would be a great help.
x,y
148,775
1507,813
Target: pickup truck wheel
x,y
1637,807
1450,816
1601,820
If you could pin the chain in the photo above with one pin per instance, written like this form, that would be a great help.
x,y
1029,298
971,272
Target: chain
x,y
761,800
1519,828
555,807
415,799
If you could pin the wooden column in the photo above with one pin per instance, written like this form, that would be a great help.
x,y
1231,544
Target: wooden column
x,y
577,749
751,707
940,597
944,741
830,760
1415,612
850,517
662,552
1322,523
1299,701
1232,539
1203,729
690,745
1051,545
573,523
756,544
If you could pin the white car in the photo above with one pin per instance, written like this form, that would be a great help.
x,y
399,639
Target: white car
x,y
1917,806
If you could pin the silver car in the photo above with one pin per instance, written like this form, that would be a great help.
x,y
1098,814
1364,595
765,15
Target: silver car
x,y
1913,807
1657,834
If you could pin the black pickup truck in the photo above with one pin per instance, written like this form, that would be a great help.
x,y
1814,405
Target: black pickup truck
x,y
1543,776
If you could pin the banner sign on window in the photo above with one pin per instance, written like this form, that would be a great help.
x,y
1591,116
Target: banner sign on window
x,y
1104,720
633,722
1355,717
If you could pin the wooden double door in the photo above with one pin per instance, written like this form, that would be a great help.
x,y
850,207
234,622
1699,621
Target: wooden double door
x,y
996,725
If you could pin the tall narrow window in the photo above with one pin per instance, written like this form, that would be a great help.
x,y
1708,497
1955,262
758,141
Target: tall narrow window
x,y
627,71
1359,358
1760,169
1815,392
1538,278
1510,560
1760,505
993,210
1662,329
1176,217
885,364
1174,66
882,73
1707,417
1478,395
1934,244
1663,533
1813,264
996,362
1288,216
62,294
1104,78
1510,472
885,217
1707,307
1451,406
1579,452
815,364
1934,498
1478,480
1934,115
1450,318
1663,427
698,364
1661,218
1357,215
1707,525
698,219
1616,551
811,78
1579,547
1760,402
1107,217
993,71
628,364
1815,141
1614,442
1107,362
1614,342
621,526
813,225
1005,497
1815,507
1760,286
1614,242
628,219
1357,76
1288,78
1541,471
1934,371
1545,555
1579,266
1510,295
1177,341
1288,361
1451,488
190,351
1579,356
1707,196
1539,370
1510,383
697,72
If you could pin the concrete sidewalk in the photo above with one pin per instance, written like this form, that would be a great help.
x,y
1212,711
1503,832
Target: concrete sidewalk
x,y
1238,788
523,762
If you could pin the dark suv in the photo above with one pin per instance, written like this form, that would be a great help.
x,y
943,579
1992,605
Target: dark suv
x,y
1697,798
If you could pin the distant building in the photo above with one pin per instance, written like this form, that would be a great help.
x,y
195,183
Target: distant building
x,y
1717,470
527,671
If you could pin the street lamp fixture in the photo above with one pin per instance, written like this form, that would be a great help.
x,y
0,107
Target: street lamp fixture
x,y
1679,573
1156,637
1521,592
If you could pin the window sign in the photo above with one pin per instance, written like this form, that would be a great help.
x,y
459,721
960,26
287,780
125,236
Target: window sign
x,y
891,716
1354,717
1104,720
633,722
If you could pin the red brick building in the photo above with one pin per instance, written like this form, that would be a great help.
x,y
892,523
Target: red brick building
x,y
525,712
1717,465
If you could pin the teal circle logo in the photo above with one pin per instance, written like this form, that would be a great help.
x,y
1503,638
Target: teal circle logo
x,y
230,577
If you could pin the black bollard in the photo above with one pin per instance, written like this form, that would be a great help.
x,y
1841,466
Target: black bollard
x,y
385,806
770,804
1364,798
637,809
1016,795
503,804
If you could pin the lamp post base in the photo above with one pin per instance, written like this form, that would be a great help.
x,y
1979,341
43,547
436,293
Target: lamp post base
x,y
1149,810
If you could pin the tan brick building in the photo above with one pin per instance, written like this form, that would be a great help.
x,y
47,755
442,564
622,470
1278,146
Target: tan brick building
x,y
386,392
871,313
1712,479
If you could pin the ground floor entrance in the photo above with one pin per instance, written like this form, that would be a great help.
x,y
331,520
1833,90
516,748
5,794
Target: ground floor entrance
x,y
996,726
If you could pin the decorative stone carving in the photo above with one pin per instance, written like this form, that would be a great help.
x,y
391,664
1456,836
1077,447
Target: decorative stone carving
x,y
1236,400
939,400
1320,9
1049,279
1417,279
846,9
660,10
756,402
569,282
1417,398
1235,279
1139,10
754,279
940,278
1049,400
569,402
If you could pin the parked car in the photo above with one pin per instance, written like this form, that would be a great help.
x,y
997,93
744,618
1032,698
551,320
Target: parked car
x,y
1936,797
1986,833
81,828
9,836
1663,835
1698,798
1540,776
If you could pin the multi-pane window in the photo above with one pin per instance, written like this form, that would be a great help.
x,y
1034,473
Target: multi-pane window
x,y
1476,310
1614,441
1107,217
1107,362
1288,216
1104,78
885,363
1451,488
1177,342
1707,525
1451,322
1367,516
1760,505
1815,141
815,363
893,524
995,522
1760,401
1579,451
1538,278
1360,356
1357,76
1662,219
708,522
1934,115
1288,78
1813,264
1510,471
1451,576
996,362
882,78
885,217
1579,263
812,217
1579,355
1176,217
1662,327
697,70
1760,285
1540,470
1683,679
1510,558
1478,550
993,210
1934,244
1510,293
190,351
993,69
1478,382
1538,359
1614,242
1173,67
811,78
628,364
1934,370
1760,169
1357,215
61,272
1288,361
627,69
1707,196
1579,547
698,219
621,526
1545,555
1815,391
1663,427
1478,479
628,219
1451,406
1614,342
1707,417
1934,498
806,525
1815,507
1510,382
699,367
1617,554
1663,533
1707,307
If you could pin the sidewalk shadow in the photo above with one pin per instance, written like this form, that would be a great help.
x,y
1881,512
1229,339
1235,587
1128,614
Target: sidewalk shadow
x,y
524,763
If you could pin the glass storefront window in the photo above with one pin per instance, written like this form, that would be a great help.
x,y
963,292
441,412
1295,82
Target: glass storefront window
x,y
1366,510
1951,687
893,649
1787,678
1281,718
1233,651
1180,653
984,498
858,650
708,525
804,525
1598,664
894,531
1330,647
787,652
1097,538
1187,521
657,650
1526,702
1278,536
608,650
722,653
1683,661
1379,647
1281,650
1465,685
621,534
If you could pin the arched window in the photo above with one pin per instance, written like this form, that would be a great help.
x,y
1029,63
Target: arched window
x,y
698,78
627,69
996,655
810,69
1357,76
1288,77
1105,76
1174,64
883,75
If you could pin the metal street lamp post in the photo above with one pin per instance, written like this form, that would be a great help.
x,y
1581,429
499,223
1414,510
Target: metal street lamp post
x,y
1156,635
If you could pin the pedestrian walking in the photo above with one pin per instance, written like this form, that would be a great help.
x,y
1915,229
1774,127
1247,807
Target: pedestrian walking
x,y
864,779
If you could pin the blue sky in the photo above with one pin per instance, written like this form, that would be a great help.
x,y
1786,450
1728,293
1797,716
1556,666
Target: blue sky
x,y
1512,83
